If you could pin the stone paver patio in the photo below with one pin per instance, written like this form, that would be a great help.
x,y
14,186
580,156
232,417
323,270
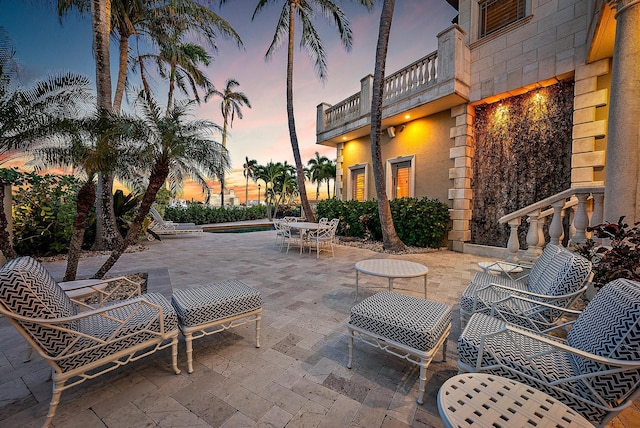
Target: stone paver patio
x,y
298,378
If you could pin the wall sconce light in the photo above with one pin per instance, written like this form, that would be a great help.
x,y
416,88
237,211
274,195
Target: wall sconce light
x,y
392,130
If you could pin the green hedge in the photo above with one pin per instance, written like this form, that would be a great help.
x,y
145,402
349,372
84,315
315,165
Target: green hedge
x,y
202,214
418,222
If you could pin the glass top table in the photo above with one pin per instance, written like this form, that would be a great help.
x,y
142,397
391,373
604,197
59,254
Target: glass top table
x,y
391,268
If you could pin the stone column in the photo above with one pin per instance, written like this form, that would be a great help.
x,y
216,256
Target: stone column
x,y
622,193
366,85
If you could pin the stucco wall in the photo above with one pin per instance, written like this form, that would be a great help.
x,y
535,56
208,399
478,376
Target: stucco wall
x,y
427,139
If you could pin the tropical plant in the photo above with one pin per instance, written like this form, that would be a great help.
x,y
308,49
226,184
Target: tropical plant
x,y
310,40
230,106
28,115
248,170
317,171
170,144
390,239
329,173
620,258
43,213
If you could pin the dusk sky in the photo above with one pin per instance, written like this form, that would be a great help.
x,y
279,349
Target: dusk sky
x,y
45,45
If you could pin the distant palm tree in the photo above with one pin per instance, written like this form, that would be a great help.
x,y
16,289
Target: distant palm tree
x,y
329,173
390,239
310,40
317,168
169,142
249,169
231,105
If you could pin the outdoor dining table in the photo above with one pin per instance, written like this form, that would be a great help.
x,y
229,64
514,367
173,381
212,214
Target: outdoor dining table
x,y
304,227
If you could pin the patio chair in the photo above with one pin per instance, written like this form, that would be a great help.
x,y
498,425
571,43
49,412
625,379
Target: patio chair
x,y
558,277
596,370
82,345
324,236
161,227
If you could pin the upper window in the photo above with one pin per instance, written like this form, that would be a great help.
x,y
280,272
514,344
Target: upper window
x,y
358,184
495,14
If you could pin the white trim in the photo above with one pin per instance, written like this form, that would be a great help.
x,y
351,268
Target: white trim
x,y
389,174
352,168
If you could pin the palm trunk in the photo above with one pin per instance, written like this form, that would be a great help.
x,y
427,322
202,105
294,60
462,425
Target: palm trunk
x,y
224,144
5,239
101,20
246,193
390,239
304,201
156,181
86,198
107,234
122,72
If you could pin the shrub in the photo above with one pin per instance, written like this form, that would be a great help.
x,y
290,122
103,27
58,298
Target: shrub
x,y
418,222
620,259
43,211
203,214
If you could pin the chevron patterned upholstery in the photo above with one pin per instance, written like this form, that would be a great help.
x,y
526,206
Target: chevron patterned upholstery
x,y
558,273
609,327
213,302
408,320
82,345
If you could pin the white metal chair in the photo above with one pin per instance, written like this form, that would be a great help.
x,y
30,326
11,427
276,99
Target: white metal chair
x,y
82,345
324,236
596,370
558,277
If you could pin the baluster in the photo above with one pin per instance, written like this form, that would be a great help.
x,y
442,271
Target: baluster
x,y
541,237
572,227
598,209
581,220
434,67
597,215
555,228
533,251
421,73
513,245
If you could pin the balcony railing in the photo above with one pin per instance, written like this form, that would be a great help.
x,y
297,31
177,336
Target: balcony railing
x,y
419,83
584,206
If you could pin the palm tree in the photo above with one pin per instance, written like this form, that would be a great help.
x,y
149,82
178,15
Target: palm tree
x,y
317,171
329,173
169,141
390,239
310,40
28,115
135,17
249,169
231,105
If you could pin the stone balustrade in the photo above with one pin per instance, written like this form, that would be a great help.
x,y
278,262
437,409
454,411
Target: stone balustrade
x,y
584,205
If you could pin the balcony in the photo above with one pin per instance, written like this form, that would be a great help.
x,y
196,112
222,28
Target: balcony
x,y
433,83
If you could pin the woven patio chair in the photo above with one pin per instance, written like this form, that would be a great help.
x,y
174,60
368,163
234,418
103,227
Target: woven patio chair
x,y
558,277
324,236
82,345
595,370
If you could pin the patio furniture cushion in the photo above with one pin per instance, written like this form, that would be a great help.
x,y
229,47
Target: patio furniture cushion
x,y
196,306
29,290
558,272
609,327
408,320
138,328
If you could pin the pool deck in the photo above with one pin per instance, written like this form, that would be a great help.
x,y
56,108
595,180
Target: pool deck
x,y
297,378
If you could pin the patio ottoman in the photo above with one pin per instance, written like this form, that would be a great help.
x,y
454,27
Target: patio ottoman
x,y
404,326
214,308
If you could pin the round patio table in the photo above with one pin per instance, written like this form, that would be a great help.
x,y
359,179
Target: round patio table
x,y
480,399
391,268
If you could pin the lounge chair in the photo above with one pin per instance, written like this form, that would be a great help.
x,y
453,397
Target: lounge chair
x,y
160,227
596,370
558,277
82,345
